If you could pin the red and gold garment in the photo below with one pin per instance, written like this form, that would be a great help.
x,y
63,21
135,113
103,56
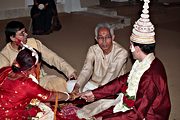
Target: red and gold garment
x,y
67,112
16,92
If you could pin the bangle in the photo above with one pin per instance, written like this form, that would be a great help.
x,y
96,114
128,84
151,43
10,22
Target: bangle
x,y
67,95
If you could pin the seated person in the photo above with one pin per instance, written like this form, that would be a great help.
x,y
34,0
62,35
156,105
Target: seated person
x,y
15,34
144,93
3,61
43,14
21,95
105,60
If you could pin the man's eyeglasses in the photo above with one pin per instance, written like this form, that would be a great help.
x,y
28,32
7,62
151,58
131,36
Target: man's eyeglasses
x,y
22,33
104,38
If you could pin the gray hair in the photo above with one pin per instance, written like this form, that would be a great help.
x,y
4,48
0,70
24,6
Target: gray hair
x,y
103,25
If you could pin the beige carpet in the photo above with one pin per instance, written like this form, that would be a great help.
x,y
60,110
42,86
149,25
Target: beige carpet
x,y
77,34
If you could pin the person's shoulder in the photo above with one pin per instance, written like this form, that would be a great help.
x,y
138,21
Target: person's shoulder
x,y
156,68
156,72
157,64
94,47
6,48
3,59
32,40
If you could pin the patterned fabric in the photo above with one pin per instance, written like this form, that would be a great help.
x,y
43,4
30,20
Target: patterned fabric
x,y
16,92
68,112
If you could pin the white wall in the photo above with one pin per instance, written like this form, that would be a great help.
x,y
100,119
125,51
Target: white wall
x,y
11,4
28,3
19,8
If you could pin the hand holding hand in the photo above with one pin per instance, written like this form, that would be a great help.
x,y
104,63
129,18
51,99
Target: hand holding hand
x,y
88,96
76,88
73,96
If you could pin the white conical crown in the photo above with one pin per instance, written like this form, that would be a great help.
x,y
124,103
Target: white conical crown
x,y
143,31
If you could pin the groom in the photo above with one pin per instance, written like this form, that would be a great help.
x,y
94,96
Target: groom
x,y
144,93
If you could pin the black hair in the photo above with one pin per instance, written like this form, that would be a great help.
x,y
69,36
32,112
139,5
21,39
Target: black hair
x,y
146,48
11,29
25,60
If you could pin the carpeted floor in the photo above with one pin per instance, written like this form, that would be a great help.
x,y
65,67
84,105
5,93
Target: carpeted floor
x,y
77,34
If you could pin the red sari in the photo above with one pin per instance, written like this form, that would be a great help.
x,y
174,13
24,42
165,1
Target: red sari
x,y
16,92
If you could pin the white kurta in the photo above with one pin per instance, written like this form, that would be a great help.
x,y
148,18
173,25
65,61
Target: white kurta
x,y
100,69
50,82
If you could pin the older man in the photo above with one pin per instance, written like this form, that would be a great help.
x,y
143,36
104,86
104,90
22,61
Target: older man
x,y
144,93
16,35
105,60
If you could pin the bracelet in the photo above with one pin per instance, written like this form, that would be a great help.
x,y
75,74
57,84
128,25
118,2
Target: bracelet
x,y
67,95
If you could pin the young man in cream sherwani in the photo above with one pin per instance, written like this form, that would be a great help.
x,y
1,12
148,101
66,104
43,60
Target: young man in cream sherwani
x,y
15,34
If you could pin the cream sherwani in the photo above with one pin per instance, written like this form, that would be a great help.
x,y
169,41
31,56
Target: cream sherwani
x,y
3,61
50,82
100,69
